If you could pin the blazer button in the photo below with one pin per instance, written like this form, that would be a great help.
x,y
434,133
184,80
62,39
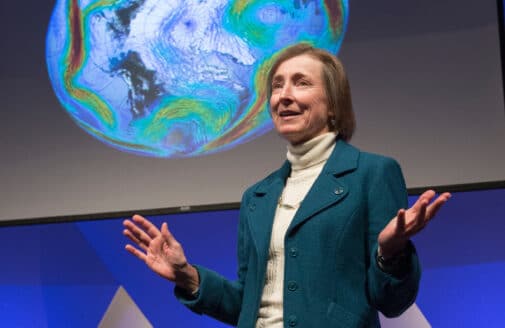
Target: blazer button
x,y
293,252
339,190
292,286
292,320
252,207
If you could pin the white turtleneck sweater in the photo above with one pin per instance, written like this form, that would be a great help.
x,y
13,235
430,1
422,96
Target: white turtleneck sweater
x,y
307,161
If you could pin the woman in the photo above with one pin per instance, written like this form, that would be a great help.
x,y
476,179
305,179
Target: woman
x,y
325,240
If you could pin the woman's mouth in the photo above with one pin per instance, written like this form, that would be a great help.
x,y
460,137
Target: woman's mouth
x,y
286,113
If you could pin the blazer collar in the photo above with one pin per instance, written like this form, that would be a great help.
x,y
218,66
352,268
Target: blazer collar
x,y
344,158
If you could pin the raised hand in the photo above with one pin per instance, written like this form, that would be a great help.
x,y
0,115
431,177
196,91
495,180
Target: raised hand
x,y
160,251
394,237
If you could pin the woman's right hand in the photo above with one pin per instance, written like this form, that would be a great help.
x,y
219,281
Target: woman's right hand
x,y
161,252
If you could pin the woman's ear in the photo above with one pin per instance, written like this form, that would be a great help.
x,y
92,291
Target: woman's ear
x,y
332,121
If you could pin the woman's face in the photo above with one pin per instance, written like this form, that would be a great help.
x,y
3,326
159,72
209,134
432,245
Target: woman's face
x,y
298,103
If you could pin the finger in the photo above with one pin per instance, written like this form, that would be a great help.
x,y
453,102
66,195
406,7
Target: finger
x,y
414,218
135,240
437,204
425,198
136,234
420,220
146,225
167,235
137,253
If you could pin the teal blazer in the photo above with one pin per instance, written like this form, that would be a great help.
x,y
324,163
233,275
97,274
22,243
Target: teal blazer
x,y
331,275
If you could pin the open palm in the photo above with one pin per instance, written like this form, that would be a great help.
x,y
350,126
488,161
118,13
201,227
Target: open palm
x,y
161,252
394,237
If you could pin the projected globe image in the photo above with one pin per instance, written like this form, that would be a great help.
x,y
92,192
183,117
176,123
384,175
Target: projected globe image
x,y
177,78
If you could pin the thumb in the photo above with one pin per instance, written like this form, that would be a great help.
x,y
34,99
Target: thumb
x,y
400,221
167,235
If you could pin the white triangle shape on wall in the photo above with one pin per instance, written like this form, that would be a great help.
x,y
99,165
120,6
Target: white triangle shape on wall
x,y
123,312
412,318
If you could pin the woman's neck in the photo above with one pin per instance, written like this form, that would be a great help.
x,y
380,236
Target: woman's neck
x,y
311,152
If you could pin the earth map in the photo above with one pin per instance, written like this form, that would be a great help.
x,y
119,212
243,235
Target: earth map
x,y
167,78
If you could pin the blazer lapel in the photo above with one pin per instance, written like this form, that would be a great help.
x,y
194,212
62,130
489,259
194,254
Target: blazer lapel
x,y
263,206
328,189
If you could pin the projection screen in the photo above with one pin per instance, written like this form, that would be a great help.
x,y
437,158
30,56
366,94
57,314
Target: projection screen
x,y
426,81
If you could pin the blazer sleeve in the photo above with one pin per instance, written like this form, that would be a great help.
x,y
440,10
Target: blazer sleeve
x,y
389,294
217,296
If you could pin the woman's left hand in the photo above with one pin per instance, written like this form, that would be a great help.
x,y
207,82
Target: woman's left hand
x,y
394,237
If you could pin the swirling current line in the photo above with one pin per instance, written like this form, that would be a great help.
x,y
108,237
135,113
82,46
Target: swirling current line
x,y
74,59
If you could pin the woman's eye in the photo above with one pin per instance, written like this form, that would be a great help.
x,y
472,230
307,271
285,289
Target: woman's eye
x,y
276,86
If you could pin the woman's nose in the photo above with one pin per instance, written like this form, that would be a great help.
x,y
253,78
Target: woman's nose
x,y
286,94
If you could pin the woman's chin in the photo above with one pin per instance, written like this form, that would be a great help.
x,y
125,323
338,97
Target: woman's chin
x,y
294,137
